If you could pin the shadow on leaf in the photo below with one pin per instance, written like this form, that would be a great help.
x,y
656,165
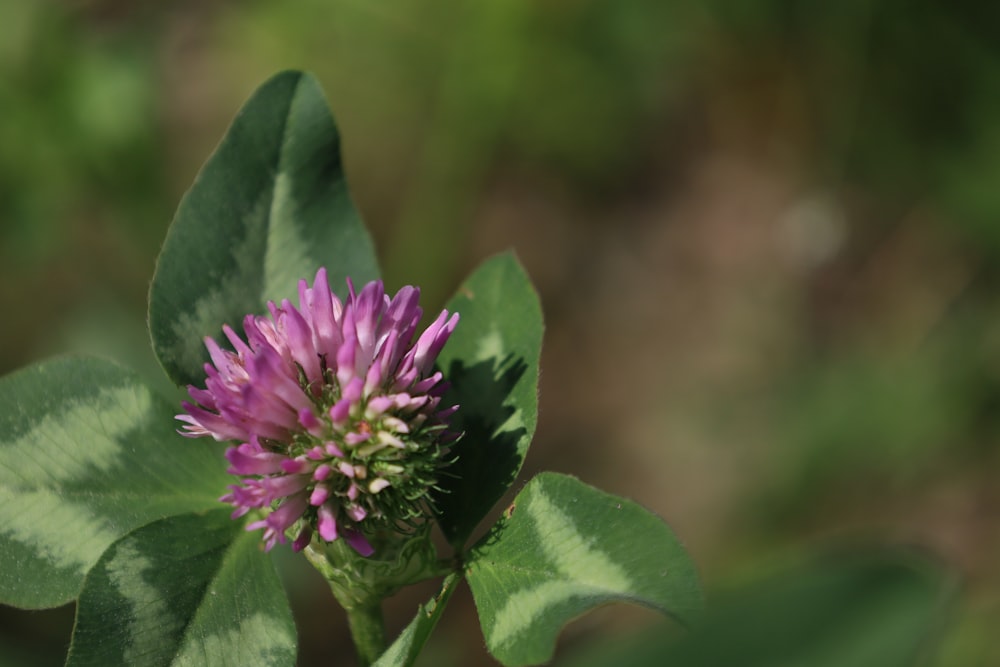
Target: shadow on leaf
x,y
491,451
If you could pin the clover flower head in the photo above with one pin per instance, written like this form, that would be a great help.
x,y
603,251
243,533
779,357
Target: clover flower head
x,y
337,411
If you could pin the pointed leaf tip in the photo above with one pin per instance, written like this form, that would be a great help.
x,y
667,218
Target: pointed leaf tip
x,y
269,207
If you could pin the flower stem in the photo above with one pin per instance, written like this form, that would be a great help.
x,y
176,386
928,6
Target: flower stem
x,y
367,631
361,582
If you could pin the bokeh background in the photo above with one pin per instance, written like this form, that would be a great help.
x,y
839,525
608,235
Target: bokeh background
x,y
766,238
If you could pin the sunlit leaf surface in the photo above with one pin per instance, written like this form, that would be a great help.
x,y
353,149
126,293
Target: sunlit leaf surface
x,y
88,452
268,208
192,590
564,547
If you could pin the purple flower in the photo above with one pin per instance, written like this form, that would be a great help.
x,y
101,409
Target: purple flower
x,y
337,411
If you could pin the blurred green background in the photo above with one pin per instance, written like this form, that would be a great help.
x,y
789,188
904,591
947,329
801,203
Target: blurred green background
x,y
766,236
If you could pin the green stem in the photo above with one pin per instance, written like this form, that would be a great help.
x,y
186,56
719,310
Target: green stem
x,y
360,583
367,631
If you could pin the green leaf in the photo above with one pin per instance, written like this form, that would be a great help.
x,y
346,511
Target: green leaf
x,y
491,361
562,548
404,651
269,208
88,453
850,611
194,589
